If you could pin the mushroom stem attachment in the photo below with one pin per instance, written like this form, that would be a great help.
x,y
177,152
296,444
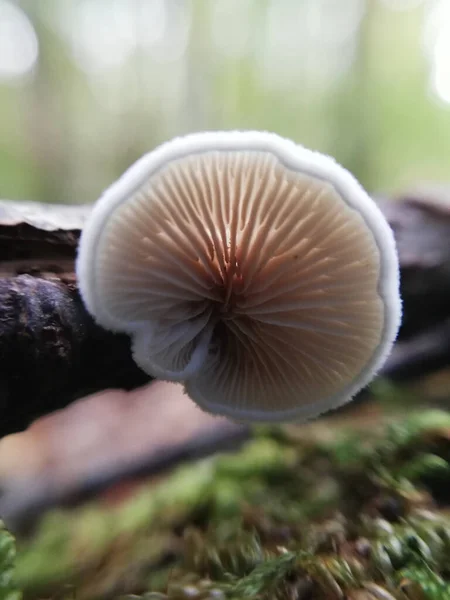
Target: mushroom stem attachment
x,y
141,348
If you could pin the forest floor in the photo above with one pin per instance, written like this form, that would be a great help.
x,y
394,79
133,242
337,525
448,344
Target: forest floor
x,y
338,509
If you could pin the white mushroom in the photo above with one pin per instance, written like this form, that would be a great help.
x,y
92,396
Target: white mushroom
x,y
256,271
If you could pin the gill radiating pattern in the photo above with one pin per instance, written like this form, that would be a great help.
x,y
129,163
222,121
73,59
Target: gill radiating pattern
x,y
261,264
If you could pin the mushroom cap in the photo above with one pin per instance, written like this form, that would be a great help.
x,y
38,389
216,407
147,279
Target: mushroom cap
x,y
257,272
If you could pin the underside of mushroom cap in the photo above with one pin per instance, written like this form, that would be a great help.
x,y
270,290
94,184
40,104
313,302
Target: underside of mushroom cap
x,y
256,271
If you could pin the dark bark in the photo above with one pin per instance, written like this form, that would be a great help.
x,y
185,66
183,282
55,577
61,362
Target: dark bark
x,y
53,353
423,353
421,225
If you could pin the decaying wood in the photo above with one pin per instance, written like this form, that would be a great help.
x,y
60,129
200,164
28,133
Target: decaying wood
x,y
53,353
421,224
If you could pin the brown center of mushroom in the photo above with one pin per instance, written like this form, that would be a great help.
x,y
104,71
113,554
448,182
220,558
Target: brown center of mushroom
x,y
229,290
275,260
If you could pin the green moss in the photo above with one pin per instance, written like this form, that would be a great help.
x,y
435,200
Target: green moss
x,y
8,586
323,511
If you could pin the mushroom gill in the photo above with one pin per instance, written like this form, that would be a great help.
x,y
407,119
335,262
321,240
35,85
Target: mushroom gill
x,y
257,284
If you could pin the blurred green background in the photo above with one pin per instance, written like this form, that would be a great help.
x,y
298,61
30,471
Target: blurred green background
x,y
87,86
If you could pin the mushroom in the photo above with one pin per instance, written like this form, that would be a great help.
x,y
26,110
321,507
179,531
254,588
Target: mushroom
x,y
257,272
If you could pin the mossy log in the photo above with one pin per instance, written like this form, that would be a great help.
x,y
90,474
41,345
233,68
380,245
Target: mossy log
x,y
53,353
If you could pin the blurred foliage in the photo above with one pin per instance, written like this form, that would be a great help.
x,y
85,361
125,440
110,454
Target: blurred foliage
x,y
324,511
113,78
8,586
